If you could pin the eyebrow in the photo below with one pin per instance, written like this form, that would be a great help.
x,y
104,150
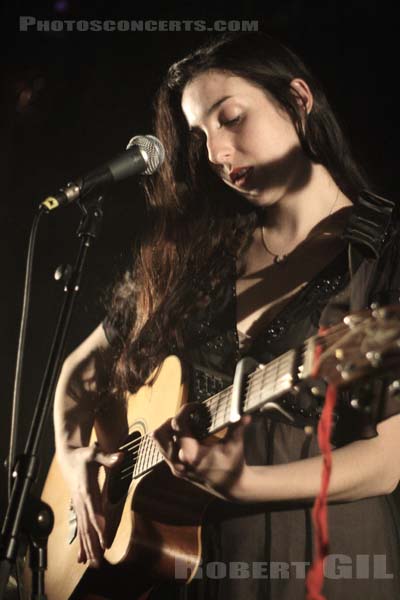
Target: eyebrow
x,y
211,109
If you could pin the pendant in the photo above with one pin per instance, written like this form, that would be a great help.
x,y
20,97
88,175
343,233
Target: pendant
x,y
280,258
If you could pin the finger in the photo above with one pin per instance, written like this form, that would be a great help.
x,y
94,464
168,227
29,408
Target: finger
x,y
82,558
189,452
174,424
98,522
93,556
83,554
89,541
163,436
163,433
181,422
170,450
108,460
168,444
93,549
177,469
94,454
235,431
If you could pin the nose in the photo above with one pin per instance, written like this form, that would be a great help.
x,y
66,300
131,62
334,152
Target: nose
x,y
220,150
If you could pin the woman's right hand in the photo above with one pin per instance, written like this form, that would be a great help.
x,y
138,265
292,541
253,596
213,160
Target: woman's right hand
x,y
81,403
80,467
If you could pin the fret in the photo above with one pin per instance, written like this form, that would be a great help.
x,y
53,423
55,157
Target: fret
x,y
227,404
253,385
156,456
227,394
150,453
143,453
146,450
154,451
308,357
275,379
148,456
216,408
139,457
271,391
135,468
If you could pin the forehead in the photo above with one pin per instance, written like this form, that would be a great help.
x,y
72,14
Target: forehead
x,y
202,92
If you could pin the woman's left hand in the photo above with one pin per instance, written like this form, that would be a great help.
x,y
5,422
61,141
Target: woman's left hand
x,y
219,466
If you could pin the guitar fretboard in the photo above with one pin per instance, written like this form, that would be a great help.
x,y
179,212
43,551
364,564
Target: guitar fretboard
x,y
265,384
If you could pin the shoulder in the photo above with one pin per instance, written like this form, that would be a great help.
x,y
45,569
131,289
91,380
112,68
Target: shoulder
x,y
378,222
373,234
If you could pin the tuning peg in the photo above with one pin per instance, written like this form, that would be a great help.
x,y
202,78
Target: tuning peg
x,y
374,358
308,430
394,388
379,313
317,391
352,320
359,405
346,370
63,273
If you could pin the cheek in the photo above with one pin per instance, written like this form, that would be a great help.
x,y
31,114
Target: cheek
x,y
272,141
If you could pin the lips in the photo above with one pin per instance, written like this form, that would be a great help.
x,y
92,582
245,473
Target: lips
x,y
240,175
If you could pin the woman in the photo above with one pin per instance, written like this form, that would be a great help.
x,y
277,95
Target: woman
x,y
246,255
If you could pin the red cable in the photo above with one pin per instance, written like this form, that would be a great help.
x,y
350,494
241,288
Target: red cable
x,y
315,575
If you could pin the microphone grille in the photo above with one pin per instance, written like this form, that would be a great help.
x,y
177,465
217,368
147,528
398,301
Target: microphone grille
x,y
153,154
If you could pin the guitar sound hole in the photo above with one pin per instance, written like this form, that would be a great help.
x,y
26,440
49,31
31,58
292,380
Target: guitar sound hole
x,y
121,476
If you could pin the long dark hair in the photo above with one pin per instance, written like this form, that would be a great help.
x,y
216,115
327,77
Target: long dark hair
x,y
198,224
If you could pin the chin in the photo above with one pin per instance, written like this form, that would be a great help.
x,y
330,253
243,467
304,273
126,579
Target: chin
x,y
259,199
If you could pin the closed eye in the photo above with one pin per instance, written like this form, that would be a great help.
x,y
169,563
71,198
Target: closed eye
x,y
230,122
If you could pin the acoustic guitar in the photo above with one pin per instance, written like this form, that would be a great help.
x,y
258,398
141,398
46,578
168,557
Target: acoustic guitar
x,y
154,519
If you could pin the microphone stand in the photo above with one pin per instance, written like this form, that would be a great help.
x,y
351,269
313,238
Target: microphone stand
x,y
24,512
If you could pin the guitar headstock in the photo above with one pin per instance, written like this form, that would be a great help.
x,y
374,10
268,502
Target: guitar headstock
x,y
364,344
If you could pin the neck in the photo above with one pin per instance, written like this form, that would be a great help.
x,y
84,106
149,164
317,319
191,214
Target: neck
x,y
297,211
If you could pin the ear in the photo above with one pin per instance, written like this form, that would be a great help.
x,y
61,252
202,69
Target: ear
x,y
303,94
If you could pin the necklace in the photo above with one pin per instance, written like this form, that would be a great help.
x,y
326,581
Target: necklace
x,y
281,258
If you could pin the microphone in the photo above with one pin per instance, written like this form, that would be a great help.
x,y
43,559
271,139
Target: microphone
x,y
144,154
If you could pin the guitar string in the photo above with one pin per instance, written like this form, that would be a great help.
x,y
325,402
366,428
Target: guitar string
x,y
254,378
256,383
149,451
258,377
222,404
143,446
220,398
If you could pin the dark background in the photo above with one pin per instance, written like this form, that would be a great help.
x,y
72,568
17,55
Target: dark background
x,y
72,100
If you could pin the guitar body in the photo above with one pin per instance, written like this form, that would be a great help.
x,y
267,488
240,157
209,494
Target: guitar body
x,y
154,527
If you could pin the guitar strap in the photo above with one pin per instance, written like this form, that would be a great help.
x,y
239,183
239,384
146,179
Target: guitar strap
x,y
366,232
368,227
370,231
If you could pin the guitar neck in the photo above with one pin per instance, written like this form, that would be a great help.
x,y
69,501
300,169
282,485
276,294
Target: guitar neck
x,y
346,352
266,383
